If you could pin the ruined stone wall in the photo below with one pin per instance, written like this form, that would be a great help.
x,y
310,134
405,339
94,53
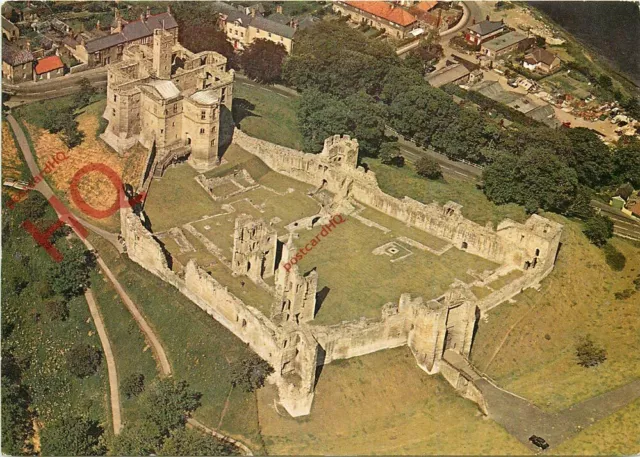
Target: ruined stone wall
x,y
504,246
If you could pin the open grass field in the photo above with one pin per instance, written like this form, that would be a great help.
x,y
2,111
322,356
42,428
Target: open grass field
x,y
12,165
404,181
382,403
199,349
265,114
361,282
528,346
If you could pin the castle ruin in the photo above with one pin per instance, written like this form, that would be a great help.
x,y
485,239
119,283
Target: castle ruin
x,y
170,101
437,330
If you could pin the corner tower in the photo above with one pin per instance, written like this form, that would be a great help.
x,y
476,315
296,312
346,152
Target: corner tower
x,y
162,44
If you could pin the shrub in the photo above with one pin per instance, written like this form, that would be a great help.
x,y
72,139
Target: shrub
x,y
132,385
615,259
390,155
598,229
57,310
251,373
428,168
625,190
588,354
83,360
627,293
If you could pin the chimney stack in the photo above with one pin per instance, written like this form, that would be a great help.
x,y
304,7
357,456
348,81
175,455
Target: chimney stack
x,y
148,12
27,45
169,9
98,25
279,9
141,17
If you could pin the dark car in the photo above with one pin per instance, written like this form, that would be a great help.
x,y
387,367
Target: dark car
x,y
539,441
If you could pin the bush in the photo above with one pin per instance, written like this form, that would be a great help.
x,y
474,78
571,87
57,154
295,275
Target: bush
x,y
588,354
251,373
625,190
598,229
132,385
390,155
57,310
83,360
615,259
428,168
627,293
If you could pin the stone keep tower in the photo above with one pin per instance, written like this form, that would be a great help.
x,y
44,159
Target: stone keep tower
x,y
162,44
254,248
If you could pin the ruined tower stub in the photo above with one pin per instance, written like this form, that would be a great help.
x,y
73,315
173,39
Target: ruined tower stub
x,y
341,151
296,293
162,44
254,248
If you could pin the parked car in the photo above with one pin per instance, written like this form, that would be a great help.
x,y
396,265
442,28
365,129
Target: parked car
x,y
539,442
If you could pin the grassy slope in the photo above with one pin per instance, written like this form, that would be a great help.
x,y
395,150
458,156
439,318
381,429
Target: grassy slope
x,y
382,403
200,350
404,181
272,116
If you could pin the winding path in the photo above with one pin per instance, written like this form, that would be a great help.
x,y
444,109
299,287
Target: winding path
x,y
111,363
158,350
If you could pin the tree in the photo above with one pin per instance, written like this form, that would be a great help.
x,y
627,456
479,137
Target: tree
x,y
16,418
138,438
71,436
390,155
132,385
598,229
84,94
605,81
627,161
625,190
70,276
365,122
251,373
428,168
193,442
581,205
588,354
536,179
83,360
58,310
167,402
590,157
262,61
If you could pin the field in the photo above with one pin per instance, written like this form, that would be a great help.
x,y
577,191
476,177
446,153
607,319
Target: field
x,y
12,165
475,206
382,403
263,113
528,346
199,349
95,188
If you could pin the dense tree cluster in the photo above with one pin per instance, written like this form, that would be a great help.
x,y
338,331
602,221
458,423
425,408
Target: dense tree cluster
x,y
262,61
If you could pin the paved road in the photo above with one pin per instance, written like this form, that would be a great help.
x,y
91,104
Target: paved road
x,y
523,419
114,386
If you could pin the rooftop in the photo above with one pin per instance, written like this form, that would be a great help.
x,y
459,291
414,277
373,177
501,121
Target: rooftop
x,y
205,97
486,27
165,88
15,56
504,41
386,11
447,75
8,25
541,55
272,27
48,64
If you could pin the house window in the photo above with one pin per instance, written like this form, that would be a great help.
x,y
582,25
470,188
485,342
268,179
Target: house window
x,y
175,108
213,142
201,131
115,98
203,114
161,130
113,111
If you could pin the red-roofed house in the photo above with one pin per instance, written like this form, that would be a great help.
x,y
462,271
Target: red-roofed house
x,y
48,68
395,20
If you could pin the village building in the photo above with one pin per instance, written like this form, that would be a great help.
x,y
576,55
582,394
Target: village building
x,y
244,28
394,20
48,68
108,49
169,100
484,31
9,30
505,44
17,63
541,60
453,74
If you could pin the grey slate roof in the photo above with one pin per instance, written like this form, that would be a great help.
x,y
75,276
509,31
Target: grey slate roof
x,y
133,31
14,56
542,55
504,41
8,25
447,75
279,18
272,27
486,27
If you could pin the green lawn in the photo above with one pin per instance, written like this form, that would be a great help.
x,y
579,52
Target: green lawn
x,y
199,349
404,181
265,114
361,282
